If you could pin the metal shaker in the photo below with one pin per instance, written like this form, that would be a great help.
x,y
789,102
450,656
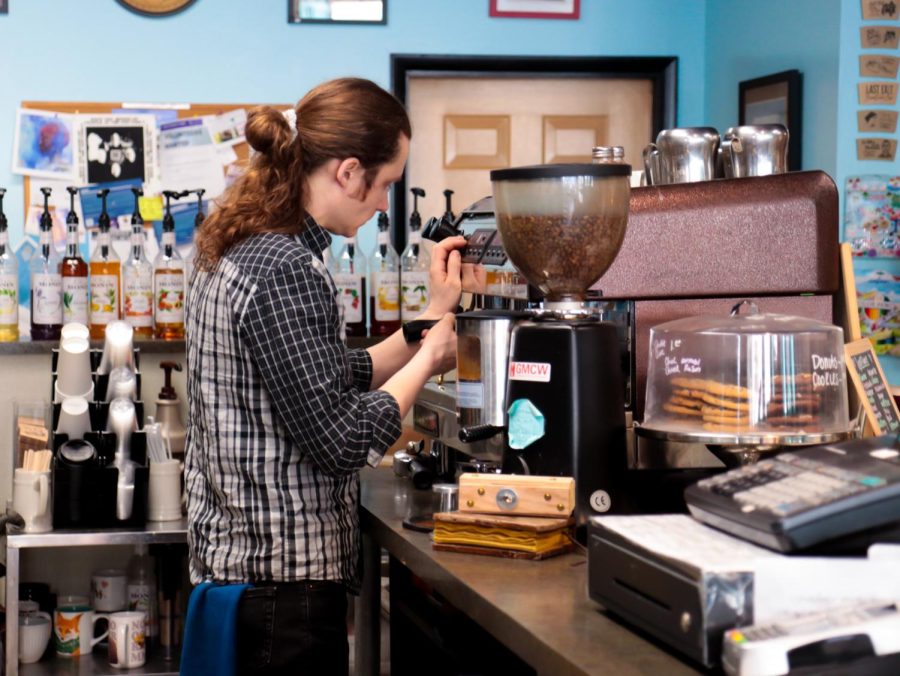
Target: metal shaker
x,y
755,150
682,155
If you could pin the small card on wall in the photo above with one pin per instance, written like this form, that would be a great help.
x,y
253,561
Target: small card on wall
x,y
876,149
880,9
878,93
883,37
877,120
878,65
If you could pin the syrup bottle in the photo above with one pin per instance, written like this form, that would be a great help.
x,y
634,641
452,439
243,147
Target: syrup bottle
x,y
168,279
137,278
414,265
348,270
384,275
46,283
9,283
73,270
106,273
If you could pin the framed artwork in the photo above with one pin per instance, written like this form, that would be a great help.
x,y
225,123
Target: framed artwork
x,y
337,11
536,9
4,6
775,99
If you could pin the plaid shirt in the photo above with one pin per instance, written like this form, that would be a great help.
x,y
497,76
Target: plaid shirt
x,y
281,417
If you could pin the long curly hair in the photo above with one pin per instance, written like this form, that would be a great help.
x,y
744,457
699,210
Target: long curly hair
x,y
347,117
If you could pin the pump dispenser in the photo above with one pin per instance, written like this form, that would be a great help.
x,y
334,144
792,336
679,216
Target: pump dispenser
x,y
448,212
46,283
198,221
74,270
384,272
137,278
9,283
167,411
106,272
168,279
414,265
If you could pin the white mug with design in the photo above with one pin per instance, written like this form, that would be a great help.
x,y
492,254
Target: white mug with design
x,y
128,639
109,590
73,628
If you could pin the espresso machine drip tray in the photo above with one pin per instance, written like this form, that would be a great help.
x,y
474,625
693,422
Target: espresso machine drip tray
x,y
744,448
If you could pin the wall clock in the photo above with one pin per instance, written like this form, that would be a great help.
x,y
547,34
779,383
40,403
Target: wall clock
x,y
156,7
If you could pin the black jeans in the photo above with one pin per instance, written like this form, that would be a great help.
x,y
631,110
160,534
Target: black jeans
x,y
293,628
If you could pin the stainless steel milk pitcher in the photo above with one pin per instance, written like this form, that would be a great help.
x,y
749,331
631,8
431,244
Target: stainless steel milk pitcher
x,y
755,150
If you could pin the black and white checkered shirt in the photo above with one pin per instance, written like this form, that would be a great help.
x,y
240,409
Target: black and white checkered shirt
x,y
281,417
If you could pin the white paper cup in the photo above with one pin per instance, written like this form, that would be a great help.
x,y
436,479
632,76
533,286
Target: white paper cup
x,y
74,330
74,418
118,348
73,368
164,499
122,384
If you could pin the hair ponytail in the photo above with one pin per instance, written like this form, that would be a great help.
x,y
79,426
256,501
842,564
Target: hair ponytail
x,y
348,117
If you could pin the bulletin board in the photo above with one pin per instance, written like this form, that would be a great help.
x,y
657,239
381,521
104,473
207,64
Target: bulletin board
x,y
182,110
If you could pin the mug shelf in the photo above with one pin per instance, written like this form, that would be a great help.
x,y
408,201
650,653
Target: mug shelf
x,y
96,664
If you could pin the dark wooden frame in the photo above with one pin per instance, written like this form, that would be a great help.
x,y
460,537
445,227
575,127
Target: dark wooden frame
x,y
293,18
574,14
794,81
661,70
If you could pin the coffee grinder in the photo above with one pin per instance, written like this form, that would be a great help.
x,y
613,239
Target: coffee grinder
x,y
549,379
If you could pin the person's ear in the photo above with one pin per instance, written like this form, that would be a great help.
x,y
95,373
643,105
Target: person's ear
x,y
349,175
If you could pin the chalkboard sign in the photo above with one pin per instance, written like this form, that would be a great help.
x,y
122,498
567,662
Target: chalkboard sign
x,y
872,387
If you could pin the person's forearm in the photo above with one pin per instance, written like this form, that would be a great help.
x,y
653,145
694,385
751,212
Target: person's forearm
x,y
405,384
389,356
392,354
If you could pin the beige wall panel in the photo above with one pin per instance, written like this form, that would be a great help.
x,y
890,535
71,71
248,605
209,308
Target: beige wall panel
x,y
626,105
476,141
569,138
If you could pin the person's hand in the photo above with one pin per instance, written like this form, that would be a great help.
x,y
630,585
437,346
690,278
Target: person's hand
x,y
440,344
474,278
445,277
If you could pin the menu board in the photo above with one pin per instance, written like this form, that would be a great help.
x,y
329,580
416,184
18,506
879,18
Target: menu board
x,y
872,387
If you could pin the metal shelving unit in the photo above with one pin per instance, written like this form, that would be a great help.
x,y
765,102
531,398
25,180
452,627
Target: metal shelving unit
x,y
162,532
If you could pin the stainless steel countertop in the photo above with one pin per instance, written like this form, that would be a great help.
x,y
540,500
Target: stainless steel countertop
x,y
539,609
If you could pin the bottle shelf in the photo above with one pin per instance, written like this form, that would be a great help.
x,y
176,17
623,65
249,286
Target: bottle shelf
x,y
148,346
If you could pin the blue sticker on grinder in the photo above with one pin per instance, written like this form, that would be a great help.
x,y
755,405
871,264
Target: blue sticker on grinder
x,y
526,424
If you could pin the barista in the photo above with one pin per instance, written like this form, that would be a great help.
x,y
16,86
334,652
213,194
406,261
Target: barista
x,y
282,414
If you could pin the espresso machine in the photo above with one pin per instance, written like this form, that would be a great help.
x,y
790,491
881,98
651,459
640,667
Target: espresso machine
x,y
690,249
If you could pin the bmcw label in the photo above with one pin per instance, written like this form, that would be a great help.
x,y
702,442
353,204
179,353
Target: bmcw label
x,y
536,372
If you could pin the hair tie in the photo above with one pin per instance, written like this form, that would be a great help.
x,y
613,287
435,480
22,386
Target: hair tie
x,y
291,116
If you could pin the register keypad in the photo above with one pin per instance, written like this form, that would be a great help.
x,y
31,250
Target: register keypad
x,y
788,484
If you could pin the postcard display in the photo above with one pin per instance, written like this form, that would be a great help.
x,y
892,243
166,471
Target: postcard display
x,y
872,198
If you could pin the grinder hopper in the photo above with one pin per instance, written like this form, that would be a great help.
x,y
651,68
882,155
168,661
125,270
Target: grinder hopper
x,y
562,224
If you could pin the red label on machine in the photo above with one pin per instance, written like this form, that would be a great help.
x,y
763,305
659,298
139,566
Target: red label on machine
x,y
536,372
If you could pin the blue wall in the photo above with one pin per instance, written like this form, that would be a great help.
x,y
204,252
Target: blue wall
x,y
243,51
746,39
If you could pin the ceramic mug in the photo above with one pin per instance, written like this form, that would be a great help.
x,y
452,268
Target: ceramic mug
x,y
127,639
164,499
73,629
109,590
34,634
31,499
